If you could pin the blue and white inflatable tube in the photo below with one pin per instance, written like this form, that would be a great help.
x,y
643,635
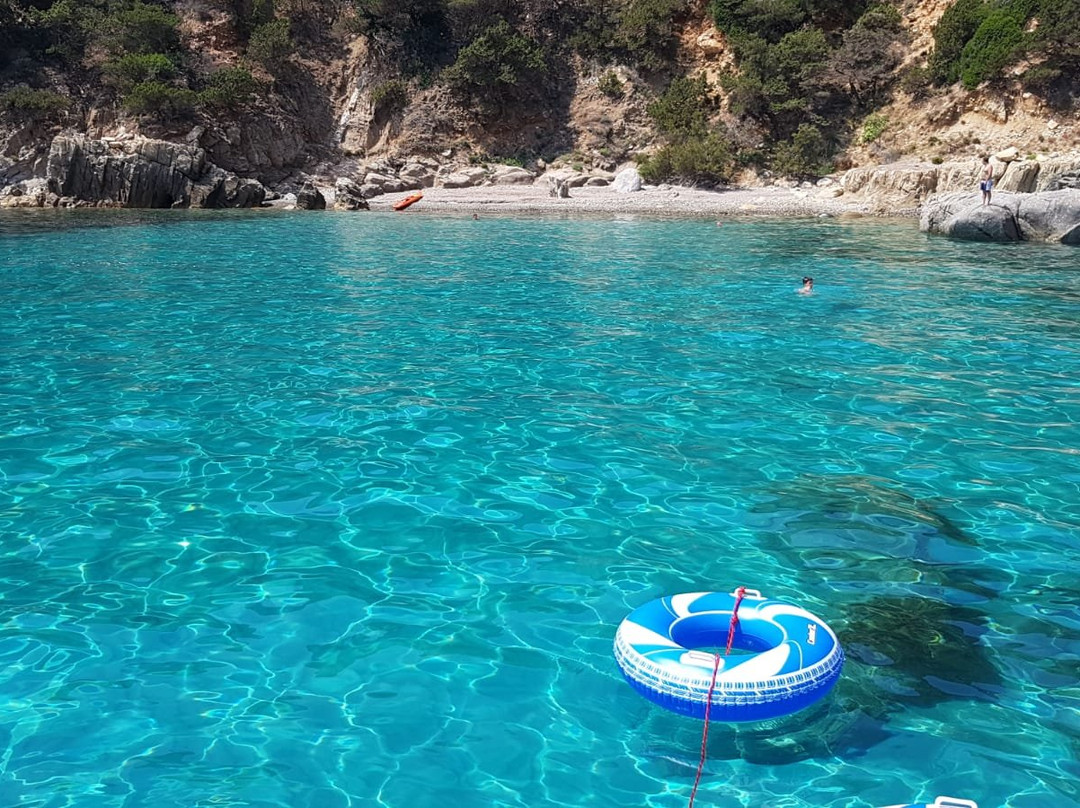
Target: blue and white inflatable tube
x,y
940,802
795,660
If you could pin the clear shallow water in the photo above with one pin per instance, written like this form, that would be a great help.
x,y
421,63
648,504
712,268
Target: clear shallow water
x,y
322,510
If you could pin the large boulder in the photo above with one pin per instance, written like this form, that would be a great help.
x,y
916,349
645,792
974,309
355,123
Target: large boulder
x,y
465,178
386,183
310,198
421,173
348,195
1058,173
983,223
511,175
1019,176
143,173
1048,216
627,181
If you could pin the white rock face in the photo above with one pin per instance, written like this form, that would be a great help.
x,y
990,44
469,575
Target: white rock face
x,y
627,181
1007,155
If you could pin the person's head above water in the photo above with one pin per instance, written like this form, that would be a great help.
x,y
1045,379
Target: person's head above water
x,y
808,281
807,285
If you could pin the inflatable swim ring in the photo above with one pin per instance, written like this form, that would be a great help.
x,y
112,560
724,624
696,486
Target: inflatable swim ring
x,y
795,658
940,802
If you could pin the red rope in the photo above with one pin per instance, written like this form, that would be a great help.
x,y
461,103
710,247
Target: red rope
x,y
705,733
739,594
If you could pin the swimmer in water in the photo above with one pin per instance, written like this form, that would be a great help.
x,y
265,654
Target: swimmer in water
x,y
807,287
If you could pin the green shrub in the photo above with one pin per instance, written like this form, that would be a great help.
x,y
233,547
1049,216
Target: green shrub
x,y
702,161
390,96
937,160
593,36
995,43
250,14
413,33
957,25
22,103
142,28
270,44
744,158
1040,79
916,81
228,88
611,85
863,64
646,31
67,26
873,126
159,99
135,68
498,61
768,19
805,155
682,112
835,14
1056,36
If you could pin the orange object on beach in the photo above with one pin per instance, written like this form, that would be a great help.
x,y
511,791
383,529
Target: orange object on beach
x,y
409,200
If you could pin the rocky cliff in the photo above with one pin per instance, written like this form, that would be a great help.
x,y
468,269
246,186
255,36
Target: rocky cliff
x,y
130,172
341,97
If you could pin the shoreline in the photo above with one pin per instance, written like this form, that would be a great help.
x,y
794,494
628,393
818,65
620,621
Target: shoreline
x,y
653,200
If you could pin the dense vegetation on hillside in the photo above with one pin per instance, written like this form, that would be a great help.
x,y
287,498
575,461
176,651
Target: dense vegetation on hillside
x,y
809,74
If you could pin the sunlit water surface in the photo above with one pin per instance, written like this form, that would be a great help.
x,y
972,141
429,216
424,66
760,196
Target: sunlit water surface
x,y
318,510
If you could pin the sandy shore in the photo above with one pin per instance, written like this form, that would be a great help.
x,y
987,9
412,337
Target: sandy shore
x,y
658,201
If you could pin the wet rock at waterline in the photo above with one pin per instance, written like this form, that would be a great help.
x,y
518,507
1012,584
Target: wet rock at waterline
x,y
1052,216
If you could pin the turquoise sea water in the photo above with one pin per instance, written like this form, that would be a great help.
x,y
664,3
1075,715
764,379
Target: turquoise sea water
x,y
317,510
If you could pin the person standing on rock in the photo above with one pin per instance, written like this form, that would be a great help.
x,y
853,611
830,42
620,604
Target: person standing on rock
x,y
986,184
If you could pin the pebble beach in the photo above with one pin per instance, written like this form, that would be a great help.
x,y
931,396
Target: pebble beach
x,y
652,200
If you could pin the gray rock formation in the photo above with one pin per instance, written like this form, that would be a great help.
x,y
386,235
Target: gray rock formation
x,y
559,188
511,175
386,183
465,178
1047,216
901,185
420,171
23,155
1058,173
142,173
349,196
310,198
